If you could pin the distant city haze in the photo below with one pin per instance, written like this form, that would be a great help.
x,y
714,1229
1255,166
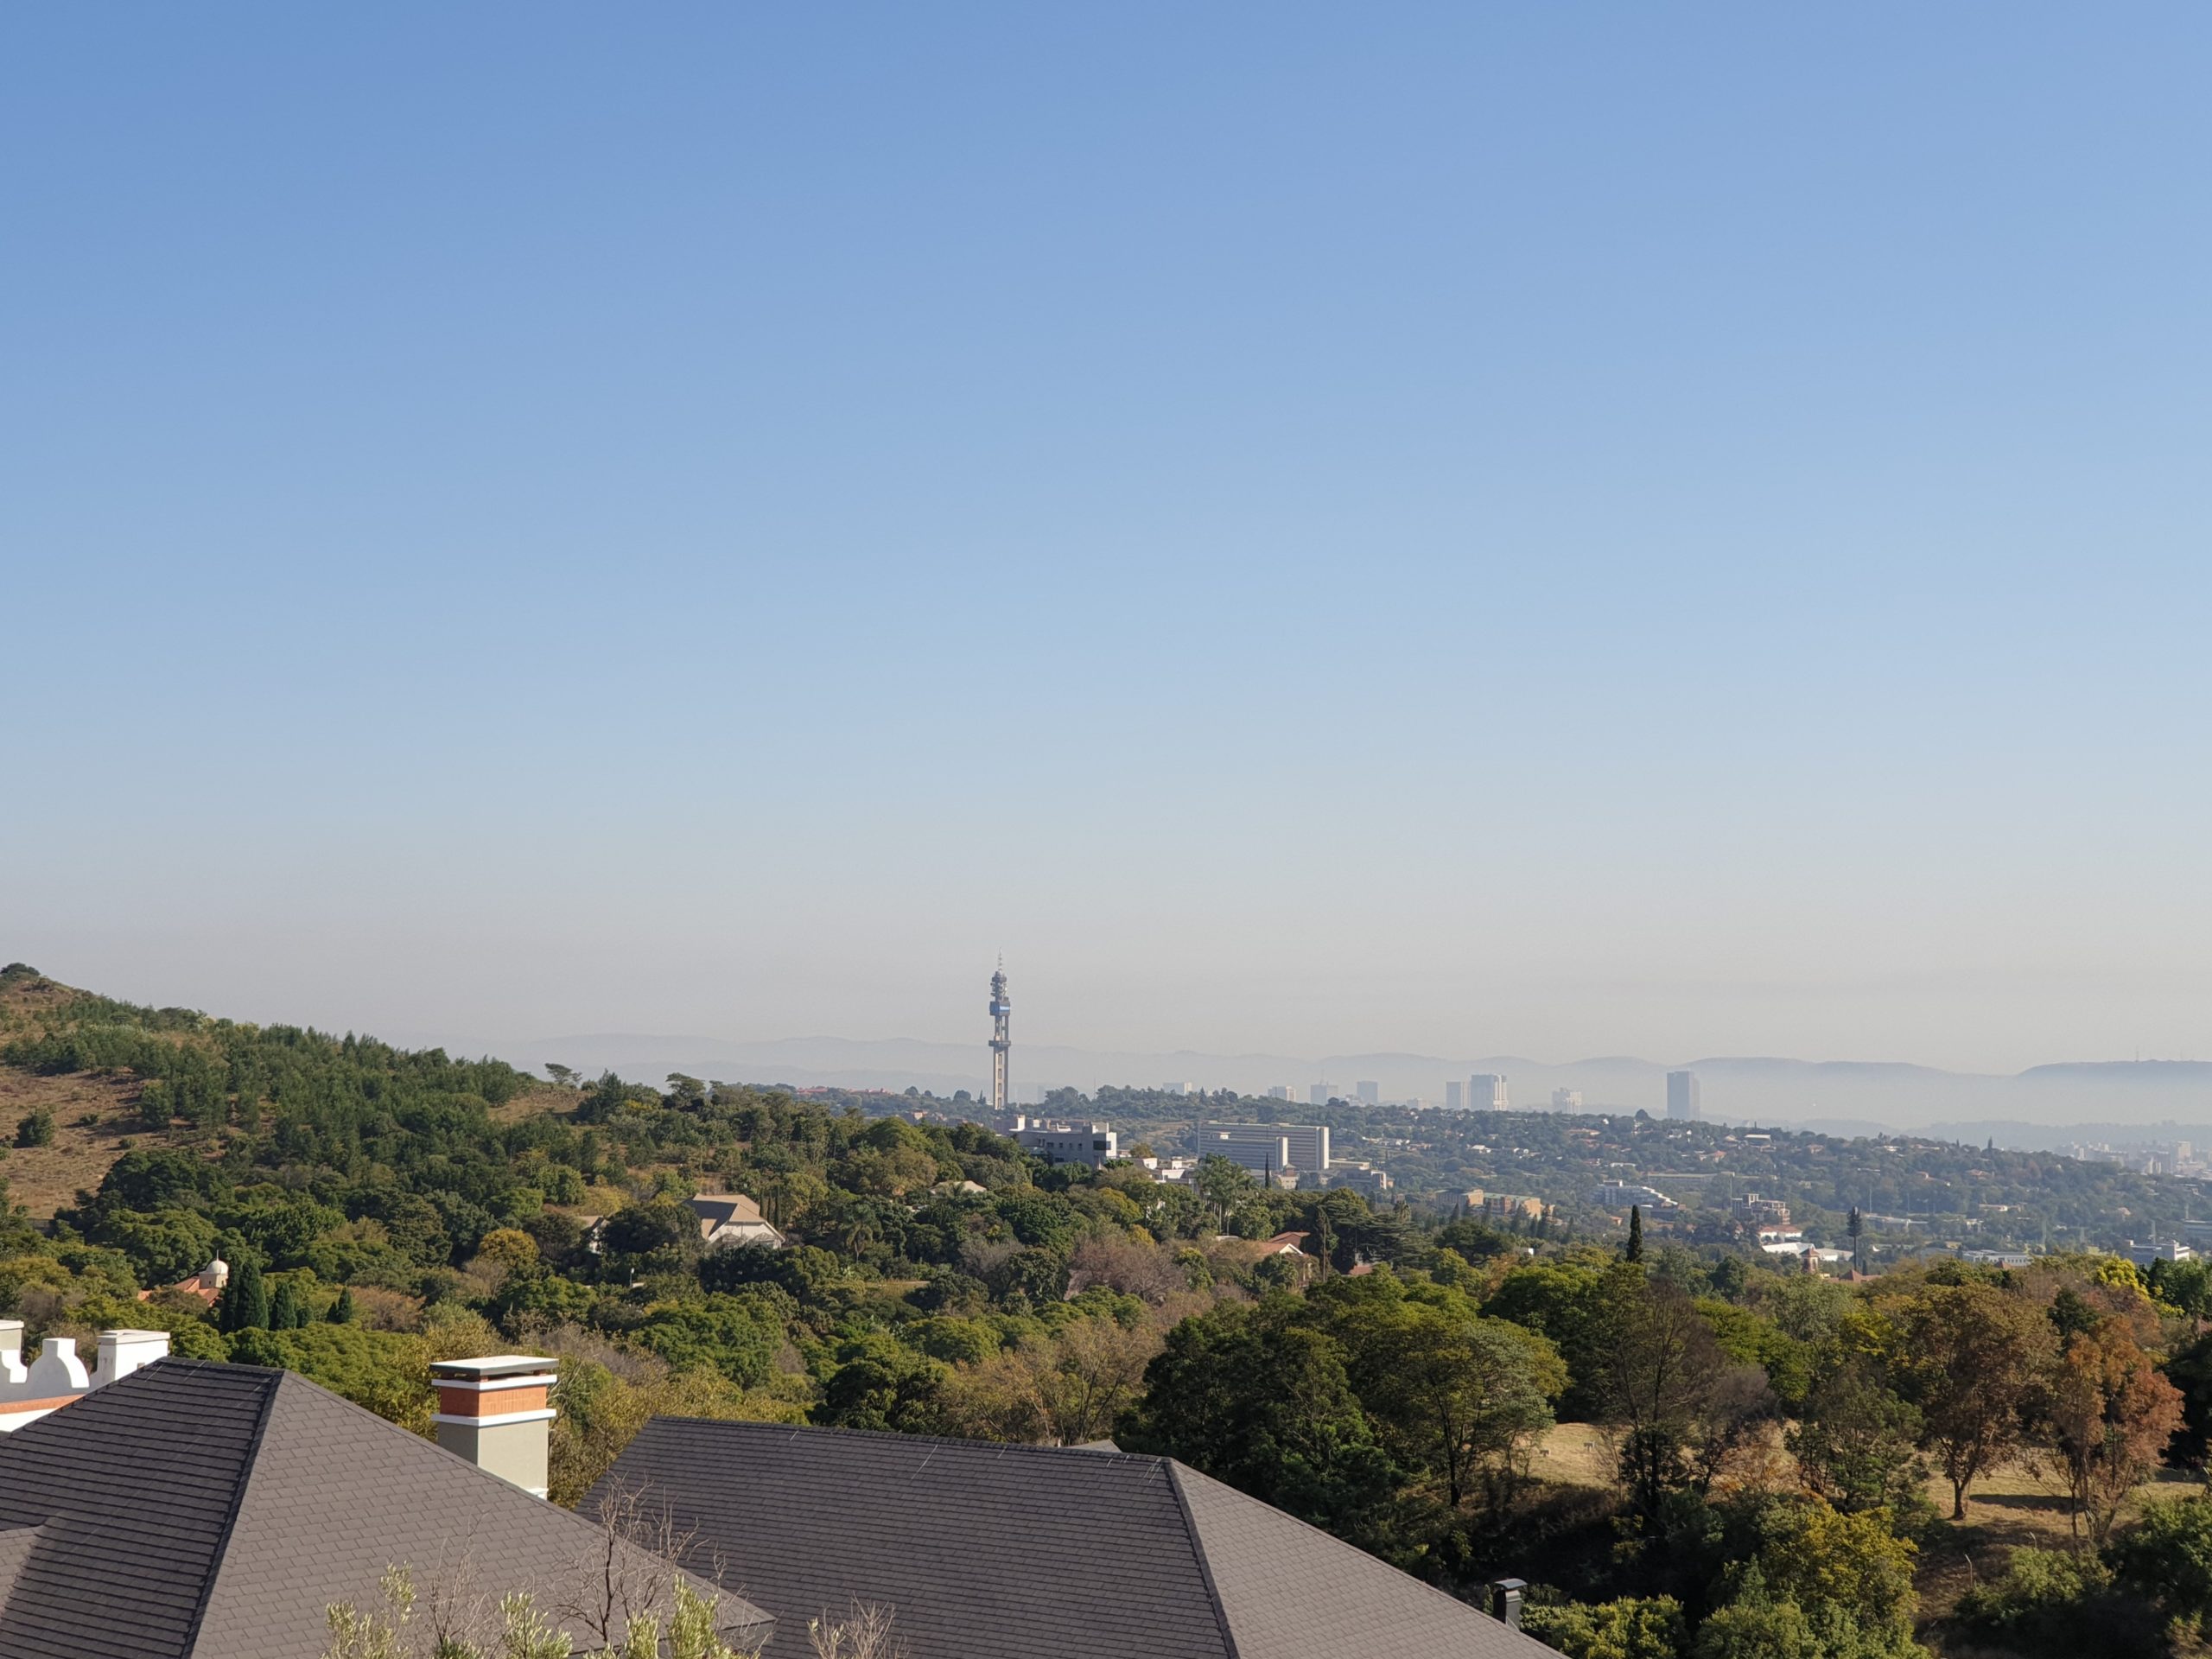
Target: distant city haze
x,y
1491,532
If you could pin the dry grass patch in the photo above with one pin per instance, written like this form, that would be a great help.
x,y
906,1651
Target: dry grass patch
x,y
1576,1454
535,1102
44,1178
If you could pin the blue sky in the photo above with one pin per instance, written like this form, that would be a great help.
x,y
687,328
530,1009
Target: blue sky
x,y
1468,529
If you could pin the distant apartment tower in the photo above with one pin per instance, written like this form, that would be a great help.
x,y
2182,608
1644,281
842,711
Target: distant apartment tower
x,y
1369,1091
1681,1094
1567,1100
1320,1094
1281,1091
1455,1097
1265,1149
1486,1092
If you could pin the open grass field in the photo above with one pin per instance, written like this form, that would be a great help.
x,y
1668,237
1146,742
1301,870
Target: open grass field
x,y
44,1178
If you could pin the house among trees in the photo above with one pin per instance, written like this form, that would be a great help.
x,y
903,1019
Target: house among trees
x,y
207,1284
728,1218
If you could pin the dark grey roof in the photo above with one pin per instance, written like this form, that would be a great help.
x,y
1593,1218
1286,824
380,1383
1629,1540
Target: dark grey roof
x,y
985,1551
198,1509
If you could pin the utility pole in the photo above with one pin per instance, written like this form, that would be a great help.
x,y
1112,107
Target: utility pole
x,y
1002,1043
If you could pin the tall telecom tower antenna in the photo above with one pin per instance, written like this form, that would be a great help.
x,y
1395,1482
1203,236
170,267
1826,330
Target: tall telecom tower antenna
x,y
1002,1043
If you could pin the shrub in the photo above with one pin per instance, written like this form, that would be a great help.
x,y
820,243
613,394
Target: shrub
x,y
2055,1601
1651,1628
2168,1555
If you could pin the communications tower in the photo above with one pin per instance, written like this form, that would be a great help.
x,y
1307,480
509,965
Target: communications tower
x,y
1001,1043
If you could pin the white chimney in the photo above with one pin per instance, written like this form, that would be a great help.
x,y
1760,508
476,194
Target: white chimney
x,y
496,1413
11,1353
124,1351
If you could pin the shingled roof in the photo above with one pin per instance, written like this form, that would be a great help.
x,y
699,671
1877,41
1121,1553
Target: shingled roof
x,y
985,1551
194,1510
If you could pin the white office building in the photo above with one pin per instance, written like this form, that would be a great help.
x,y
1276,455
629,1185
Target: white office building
x,y
1094,1144
1567,1100
1369,1091
1486,1092
1266,1149
1455,1097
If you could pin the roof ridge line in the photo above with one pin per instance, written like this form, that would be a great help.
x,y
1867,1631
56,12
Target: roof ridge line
x,y
1199,1554
230,1514
798,1431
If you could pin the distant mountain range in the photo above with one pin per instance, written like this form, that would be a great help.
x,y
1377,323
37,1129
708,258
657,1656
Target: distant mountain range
x,y
2049,1104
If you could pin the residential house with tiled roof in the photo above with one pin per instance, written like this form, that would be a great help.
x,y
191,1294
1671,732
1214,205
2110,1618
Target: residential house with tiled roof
x,y
986,1551
731,1218
194,1511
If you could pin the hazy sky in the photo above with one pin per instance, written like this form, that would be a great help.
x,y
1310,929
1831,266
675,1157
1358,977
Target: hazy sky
x,y
1474,528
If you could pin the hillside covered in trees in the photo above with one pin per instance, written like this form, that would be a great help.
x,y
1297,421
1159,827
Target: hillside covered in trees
x,y
1772,1464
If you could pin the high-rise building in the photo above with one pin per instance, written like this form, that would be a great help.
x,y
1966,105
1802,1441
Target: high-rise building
x,y
1455,1097
1320,1094
1681,1094
1486,1092
1264,1148
1369,1090
1281,1091
1567,1100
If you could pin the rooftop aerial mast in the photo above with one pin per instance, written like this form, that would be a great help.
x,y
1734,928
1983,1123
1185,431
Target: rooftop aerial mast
x,y
1001,1042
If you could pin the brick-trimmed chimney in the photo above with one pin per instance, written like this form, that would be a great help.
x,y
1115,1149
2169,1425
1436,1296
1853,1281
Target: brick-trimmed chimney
x,y
494,1413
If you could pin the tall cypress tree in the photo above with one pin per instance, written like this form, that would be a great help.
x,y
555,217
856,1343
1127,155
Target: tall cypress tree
x,y
285,1313
1634,1233
341,1310
244,1305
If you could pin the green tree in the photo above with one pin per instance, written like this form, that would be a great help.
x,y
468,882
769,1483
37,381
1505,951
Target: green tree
x,y
1635,1251
2167,1556
285,1313
1972,1357
1630,1628
1252,1396
883,1384
1672,1397
35,1128
1849,1573
244,1303
1223,1185
658,1237
1857,1441
341,1310
387,1371
163,1247
1451,1392
1569,1302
